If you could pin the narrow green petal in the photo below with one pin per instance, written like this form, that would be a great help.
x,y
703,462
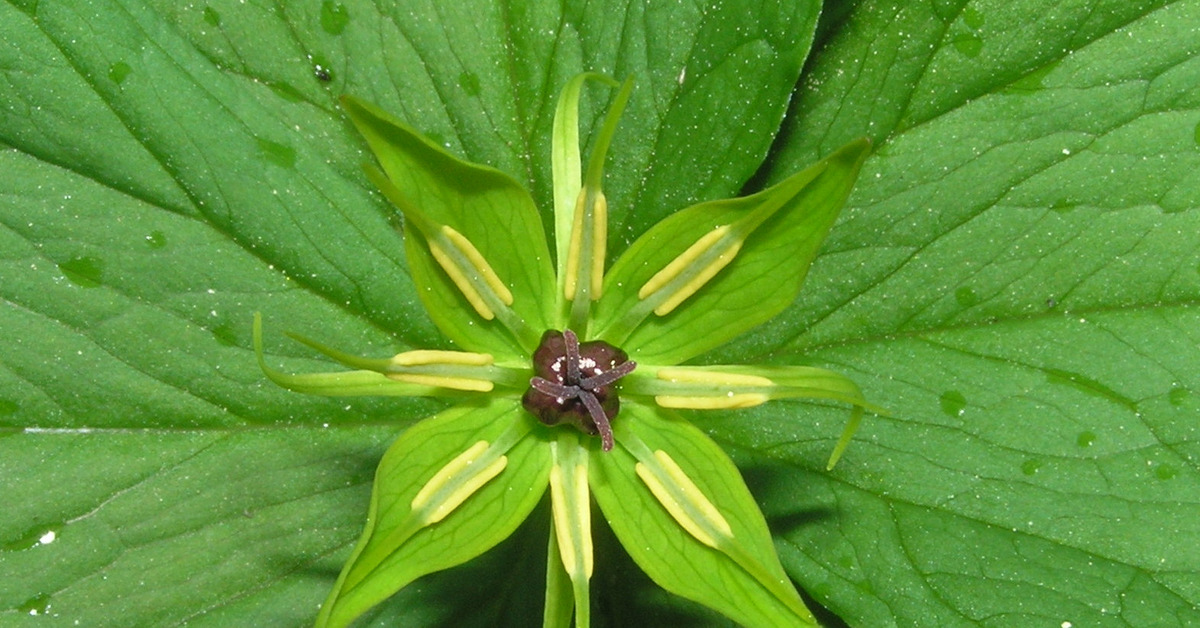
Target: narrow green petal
x,y
721,554
474,239
572,511
715,270
581,210
560,593
345,383
448,489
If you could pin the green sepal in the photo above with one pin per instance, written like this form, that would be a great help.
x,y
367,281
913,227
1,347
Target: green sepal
x,y
580,210
571,516
396,547
341,384
434,188
567,162
783,227
743,579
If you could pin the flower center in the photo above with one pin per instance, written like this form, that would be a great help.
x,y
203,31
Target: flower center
x,y
573,383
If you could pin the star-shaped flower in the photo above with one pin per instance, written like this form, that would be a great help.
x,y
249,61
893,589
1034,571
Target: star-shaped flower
x,y
561,339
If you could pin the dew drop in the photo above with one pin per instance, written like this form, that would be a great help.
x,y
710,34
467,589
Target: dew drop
x,y
34,537
156,239
286,92
8,407
36,605
1165,472
954,404
278,154
118,71
84,271
469,81
1086,439
1031,466
1178,395
334,17
225,334
973,18
1063,206
968,44
211,17
966,296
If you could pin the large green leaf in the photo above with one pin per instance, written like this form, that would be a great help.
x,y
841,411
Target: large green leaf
x,y
1014,279
168,169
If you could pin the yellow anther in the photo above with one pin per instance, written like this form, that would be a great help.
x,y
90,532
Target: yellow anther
x,y
724,389
716,402
456,275
585,517
563,519
481,266
455,482
599,241
443,381
468,255
425,357
683,500
572,271
715,378
714,251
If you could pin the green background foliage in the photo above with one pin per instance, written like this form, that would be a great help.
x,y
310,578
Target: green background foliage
x,y
1015,278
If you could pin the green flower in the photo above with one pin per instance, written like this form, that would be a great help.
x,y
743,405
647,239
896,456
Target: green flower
x,y
552,338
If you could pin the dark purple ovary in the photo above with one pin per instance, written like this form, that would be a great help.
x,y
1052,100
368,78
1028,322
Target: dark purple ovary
x,y
573,383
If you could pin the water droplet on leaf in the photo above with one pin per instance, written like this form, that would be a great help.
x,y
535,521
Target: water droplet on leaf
x,y
211,17
118,71
84,271
953,403
334,17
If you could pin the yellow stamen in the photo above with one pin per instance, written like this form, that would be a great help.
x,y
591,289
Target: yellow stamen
x,y
729,401
706,247
456,267
424,357
443,381
481,266
716,378
683,500
456,275
563,524
561,521
573,250
461,477
599,240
